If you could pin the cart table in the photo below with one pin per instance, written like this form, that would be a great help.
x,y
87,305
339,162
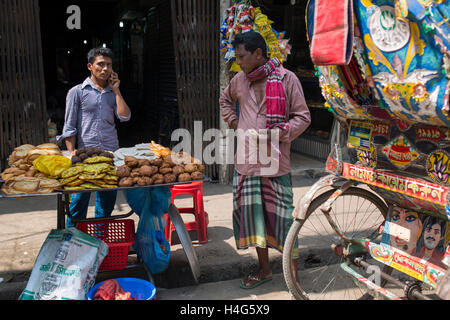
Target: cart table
x,y
63,202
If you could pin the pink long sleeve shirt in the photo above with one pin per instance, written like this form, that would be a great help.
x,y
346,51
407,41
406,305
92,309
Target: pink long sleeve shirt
x,y
252,109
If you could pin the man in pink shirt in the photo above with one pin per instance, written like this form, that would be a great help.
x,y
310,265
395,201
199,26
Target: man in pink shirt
x,y
272,113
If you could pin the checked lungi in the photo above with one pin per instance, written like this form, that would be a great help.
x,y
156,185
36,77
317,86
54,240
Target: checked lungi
x,y
262,210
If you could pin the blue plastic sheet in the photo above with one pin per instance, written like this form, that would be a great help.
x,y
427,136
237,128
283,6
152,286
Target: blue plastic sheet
x,y
150,204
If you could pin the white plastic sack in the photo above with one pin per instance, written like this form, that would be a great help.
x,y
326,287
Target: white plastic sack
x,y
66,266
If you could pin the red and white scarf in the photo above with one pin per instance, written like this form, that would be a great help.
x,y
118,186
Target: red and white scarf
x,y
275,97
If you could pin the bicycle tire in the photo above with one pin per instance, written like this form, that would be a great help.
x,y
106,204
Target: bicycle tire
x,y
296,289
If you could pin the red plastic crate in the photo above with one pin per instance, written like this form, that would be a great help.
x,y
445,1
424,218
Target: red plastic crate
x,y
117,234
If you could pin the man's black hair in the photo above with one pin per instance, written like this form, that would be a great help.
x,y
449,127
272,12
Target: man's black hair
x,y
95,52
251,40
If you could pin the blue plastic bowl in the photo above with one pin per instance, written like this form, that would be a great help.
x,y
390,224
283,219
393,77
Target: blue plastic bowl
x,y
139,288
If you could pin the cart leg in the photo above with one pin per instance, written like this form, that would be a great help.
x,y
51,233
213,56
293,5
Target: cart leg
x,y
61,212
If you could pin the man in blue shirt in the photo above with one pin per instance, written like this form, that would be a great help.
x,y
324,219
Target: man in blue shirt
x,y
89,122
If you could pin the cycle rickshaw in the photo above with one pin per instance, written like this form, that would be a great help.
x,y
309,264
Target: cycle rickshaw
x,y
378,224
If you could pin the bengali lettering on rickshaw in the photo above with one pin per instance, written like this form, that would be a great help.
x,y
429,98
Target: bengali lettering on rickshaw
x,y
409,186
414,269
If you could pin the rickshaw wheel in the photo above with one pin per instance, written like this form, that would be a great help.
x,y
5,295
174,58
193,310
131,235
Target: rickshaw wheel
x,y
358,213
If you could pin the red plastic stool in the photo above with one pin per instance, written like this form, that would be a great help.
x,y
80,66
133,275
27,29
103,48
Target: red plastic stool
x,y
195,189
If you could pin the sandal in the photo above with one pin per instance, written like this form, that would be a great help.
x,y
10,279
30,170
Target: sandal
x,y
256,281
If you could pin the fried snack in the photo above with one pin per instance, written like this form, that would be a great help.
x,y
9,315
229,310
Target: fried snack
x,y
31,172
49,183
26,186
88,177
197,175
157,162
89,185
179,158
48,146
143,162
98,159
141,181
177,170
107,154
126,182
11,191
63,182
24,147
131,162
72,171
184,177
96,168
158,178
75,183
165,171
159,150
146,171
135,174
190,168
201,167
170,178
73,188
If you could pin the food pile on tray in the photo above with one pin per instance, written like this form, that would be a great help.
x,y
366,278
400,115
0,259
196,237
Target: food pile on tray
x,y
45,168
23,177
163,167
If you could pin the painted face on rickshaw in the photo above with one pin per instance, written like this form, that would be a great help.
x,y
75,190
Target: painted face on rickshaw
x,y
432,236
405,229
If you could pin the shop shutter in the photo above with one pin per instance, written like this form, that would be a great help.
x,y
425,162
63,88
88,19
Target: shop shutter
x,y
22,91
196,44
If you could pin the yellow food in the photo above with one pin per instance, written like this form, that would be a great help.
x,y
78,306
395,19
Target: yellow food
x,y
52,166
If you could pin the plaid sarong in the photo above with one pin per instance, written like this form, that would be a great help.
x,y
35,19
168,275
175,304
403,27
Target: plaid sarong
x,y
262,211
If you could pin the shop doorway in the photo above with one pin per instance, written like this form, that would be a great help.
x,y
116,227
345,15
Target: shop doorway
x,y
117,24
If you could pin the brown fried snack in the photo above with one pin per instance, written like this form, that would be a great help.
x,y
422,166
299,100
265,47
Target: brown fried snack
x,y
177,170
165,171
189,168
184,177
131,162
170,178
146,171
126,182
158,178
143,162
123,171
197,175
157,162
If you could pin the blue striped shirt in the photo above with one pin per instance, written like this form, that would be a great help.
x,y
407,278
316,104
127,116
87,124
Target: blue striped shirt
x,y
90,117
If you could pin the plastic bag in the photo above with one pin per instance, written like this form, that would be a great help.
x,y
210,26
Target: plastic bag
x,y
150,243
66,266
52,166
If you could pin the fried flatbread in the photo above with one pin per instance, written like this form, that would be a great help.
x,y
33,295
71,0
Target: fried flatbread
x,y
96,168
86,176
72,171
89,185
98,159
73,188
11,191
111,177
49,183
75,183
26,186
63,182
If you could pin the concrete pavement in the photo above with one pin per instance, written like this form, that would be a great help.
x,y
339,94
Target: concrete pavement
x,y
25,223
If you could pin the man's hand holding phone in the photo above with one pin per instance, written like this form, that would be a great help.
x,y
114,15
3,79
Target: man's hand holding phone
x,y
114,82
